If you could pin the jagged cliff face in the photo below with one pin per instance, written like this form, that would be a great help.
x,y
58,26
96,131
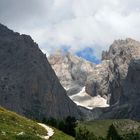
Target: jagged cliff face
x,y
124,80
28,84
108,77
76,75
116,79
71,70
120,55
97,82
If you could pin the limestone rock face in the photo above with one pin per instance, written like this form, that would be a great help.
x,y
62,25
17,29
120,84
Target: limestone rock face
x,y
98,82
108,77
116,79
81,79
71,70
120,55
124,80
28,84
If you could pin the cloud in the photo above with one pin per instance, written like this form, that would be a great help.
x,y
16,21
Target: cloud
x,y
73,24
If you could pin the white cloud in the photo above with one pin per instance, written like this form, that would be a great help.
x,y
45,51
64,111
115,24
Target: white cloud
x,y
74,23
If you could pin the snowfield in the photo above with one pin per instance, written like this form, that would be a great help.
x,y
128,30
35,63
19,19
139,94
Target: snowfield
x,y
85,100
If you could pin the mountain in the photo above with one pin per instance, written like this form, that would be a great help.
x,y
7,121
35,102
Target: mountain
x,y
115,81
28,84
120,78
73,72
98,82
70,69
124,79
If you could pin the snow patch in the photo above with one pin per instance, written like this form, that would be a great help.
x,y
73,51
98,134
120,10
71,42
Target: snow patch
x,y
85,100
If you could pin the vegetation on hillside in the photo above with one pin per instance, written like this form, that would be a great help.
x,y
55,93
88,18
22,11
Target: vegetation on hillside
x,y
108,130
15,127
67,125
59,135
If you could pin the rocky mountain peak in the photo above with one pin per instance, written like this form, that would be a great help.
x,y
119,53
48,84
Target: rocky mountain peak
x,y
28,84
128,48
75,74
71,70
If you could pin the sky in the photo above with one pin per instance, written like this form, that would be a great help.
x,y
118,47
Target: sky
x,y
73,25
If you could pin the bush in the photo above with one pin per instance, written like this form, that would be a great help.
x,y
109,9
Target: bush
x,y
83,134
66,125
113,134
70,125
131,136
50,121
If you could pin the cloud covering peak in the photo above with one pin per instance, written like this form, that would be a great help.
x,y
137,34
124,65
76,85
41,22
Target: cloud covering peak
x,y
73,24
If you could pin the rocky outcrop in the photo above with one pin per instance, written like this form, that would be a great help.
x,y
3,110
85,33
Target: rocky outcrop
x,y
75,73
124,80
28,84
98,82
108,77
120,55
115,79
71,70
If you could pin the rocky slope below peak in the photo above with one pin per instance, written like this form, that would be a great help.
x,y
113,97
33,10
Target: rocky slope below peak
x,y
97,82
116,79
71,70
120,54
122,48
108,76
76,75
28,84
124,79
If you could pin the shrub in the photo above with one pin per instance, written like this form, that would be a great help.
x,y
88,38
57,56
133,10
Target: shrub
x,y
66,125
83,134
113,134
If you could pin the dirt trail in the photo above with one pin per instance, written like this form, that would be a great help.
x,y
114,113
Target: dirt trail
x,y
49,130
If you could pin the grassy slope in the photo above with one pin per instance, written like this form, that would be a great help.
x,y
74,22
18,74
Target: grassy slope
x,y
58,135
12,124
100,128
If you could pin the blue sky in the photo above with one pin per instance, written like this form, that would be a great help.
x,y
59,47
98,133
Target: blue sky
x,y
89,54
54,24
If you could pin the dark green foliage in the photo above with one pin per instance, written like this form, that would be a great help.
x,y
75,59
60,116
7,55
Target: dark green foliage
x,y
52,122
108,130
114,129
66,125
61,125
113,134
131,136
70,125
83,133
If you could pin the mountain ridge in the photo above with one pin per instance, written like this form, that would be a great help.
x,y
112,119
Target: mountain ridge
x,y
28,84
112,80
